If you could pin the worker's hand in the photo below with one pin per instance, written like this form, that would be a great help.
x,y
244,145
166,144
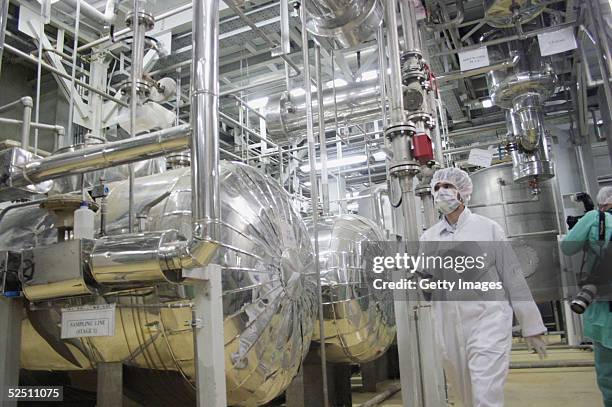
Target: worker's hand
x,y
536,343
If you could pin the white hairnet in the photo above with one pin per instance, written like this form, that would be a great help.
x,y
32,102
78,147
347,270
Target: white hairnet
x,y
604,196
458,178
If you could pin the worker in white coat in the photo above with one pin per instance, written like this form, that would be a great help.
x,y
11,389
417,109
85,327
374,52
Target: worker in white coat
x,y
475,337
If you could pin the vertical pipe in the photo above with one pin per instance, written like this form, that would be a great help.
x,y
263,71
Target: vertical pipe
x,y
382,67
397,103
409,28
41,33
137,53
27,119
206,202
322,138
4,6
75,46
313,191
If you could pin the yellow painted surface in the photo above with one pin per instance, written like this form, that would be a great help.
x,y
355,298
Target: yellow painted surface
x,y
551,387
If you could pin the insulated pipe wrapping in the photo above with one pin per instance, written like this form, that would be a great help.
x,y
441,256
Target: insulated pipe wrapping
x,y
205,119
101,156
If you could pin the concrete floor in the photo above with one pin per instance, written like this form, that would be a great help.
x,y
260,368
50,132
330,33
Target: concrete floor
x,y
551,387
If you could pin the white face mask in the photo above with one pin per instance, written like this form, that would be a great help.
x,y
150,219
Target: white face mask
x,y
445,200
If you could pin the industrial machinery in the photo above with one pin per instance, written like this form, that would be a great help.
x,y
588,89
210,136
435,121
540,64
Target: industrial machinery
x,y
269,298
531,221
359,320
522,92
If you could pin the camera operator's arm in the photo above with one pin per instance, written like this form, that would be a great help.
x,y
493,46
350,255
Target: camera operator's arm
x,y
574,241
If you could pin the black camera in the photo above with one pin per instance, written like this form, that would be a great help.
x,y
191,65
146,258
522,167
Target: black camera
x,y
588,204
583,299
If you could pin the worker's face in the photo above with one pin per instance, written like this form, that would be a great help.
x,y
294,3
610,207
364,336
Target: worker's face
x,y
605,208
446,197
447,186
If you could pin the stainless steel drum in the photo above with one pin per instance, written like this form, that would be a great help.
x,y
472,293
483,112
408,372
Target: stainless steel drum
x,y
529,220
359,322
269,293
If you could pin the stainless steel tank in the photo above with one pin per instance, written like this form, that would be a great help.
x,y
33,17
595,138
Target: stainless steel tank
x,y
359,322
531,221
349,22
269,293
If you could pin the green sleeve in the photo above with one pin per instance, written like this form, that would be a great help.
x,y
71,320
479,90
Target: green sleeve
x,y
579,234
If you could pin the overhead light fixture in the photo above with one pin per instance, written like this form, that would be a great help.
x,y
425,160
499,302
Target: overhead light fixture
x,y
338,83
257,104
487,103
342,162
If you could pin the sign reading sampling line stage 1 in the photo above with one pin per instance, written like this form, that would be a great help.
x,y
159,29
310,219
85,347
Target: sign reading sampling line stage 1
x,y
474,58
89,320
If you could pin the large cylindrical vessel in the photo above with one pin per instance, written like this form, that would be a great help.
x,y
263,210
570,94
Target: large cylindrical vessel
x,y
269,292
359,322
531,221
350,22
355,103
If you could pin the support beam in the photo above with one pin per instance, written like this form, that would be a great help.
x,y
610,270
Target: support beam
x,y
11,315
110,384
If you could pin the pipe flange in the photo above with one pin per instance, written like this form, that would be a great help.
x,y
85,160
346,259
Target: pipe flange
x,y
422,190
400,129
424,117
402,168
143,86
144,18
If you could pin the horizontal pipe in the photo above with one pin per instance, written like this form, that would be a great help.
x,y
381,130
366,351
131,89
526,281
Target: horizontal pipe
x,y
102,156
41,126
456,75
552,363
93,13
26,100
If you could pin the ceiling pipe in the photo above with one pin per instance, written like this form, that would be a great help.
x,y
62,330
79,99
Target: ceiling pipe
x,y
89,11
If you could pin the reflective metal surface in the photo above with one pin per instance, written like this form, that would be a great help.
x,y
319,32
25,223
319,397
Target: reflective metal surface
x,y
359,320
73,183
350,22
521,214
504,13
286,116
269,288
101,156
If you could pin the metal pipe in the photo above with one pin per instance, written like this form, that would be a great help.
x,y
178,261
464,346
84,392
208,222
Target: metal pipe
x,y
108,17
313,195
206,202
322,137
101,156
379,398
456,75
77,20
27,121
260,33
412,41
3,23
603,56
56,71
396,102
138,37
551,364
382,73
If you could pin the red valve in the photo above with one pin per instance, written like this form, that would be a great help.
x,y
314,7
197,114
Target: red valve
x,y
422,148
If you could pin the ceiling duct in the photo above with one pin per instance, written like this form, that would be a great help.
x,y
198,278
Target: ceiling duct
x,y
350,22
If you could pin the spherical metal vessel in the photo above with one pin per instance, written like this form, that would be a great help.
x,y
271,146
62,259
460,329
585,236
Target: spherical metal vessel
x,y
269,293
530,221
359,323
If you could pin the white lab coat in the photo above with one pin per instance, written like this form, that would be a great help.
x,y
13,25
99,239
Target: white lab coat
x,y
475,337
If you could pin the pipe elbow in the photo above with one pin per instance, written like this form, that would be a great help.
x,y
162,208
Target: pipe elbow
x,y
27,101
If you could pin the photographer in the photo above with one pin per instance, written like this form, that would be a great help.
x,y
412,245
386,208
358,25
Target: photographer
x,y
592,234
